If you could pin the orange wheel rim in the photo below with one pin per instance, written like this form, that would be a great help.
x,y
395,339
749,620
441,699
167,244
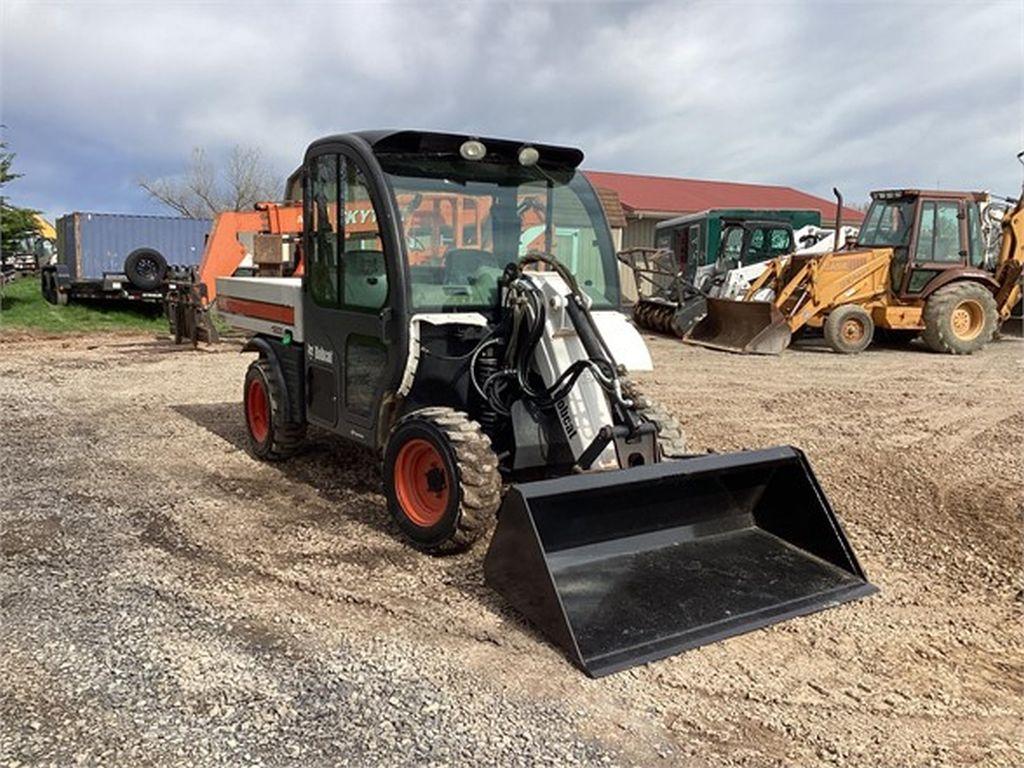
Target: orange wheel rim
x,y
853,330
968,319
421,482
257,410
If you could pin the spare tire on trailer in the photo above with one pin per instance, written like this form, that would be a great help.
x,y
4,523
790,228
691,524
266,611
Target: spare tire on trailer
x,y
145,268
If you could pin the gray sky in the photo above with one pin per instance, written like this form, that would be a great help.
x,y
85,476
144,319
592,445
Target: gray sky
x,y
809,94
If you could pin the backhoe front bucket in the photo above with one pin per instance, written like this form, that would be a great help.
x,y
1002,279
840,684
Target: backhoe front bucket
x,y
624,567
742,326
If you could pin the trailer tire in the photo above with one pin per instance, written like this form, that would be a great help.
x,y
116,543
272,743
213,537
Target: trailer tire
x,y
441,479
671,437
271,436
145,268
960,318
849,329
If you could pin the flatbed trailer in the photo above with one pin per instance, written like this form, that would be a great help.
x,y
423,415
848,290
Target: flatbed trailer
x,y
122,257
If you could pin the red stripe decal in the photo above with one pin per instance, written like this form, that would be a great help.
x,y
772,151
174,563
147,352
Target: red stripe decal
x,y
276,313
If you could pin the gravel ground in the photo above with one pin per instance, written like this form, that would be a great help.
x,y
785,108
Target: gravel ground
x,y
165,599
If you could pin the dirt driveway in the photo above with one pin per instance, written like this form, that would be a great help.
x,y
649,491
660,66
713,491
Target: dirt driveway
x,y
166,599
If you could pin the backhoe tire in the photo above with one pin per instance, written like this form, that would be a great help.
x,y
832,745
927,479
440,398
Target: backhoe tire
x,y
849,329
272,436
671,437
960,318
441,479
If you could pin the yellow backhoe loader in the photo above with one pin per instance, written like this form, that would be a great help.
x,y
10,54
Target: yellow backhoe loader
x,y
918,268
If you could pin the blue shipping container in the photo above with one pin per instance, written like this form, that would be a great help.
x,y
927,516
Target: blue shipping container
x,y
91,244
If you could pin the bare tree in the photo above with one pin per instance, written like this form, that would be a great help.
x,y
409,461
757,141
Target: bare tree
x,y
203,190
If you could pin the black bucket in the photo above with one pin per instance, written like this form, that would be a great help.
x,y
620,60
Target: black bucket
x,y
624,567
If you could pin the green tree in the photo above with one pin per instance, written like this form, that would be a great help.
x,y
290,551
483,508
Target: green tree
x,y
15,223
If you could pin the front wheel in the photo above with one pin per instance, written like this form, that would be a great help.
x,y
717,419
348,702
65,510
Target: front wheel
x,y
849,329
441,479
671,437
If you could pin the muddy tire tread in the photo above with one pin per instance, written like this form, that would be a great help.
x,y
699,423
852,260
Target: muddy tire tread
x,y
938,309
478,477
285,437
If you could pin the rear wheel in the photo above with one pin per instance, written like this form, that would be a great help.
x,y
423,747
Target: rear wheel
x,y
959,318
849,329
441,479
272,436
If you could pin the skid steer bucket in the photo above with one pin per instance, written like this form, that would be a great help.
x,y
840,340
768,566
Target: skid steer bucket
x,y
620,568
687,315
742,326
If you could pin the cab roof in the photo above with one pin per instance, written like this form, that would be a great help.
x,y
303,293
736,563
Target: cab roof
x,y
385,142
942,194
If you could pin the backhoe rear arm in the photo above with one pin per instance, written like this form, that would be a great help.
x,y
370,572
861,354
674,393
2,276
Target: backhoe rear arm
x,y
1011,261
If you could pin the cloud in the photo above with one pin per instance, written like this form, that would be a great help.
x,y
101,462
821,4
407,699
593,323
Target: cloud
x,y
810,94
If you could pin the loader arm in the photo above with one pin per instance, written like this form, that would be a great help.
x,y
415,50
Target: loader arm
x,y
837,278
1011,261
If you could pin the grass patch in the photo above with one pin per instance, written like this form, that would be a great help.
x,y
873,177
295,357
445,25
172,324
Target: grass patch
x,y
23,308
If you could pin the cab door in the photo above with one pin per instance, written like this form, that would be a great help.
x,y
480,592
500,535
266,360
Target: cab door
x,y
347,325
939,243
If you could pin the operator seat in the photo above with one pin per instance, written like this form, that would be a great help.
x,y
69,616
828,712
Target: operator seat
x,y
365,279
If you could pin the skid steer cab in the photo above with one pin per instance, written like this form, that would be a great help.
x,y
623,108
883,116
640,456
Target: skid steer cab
x,y
457,314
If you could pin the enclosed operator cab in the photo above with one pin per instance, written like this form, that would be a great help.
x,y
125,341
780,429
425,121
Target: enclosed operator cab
x,y
936,237
405,241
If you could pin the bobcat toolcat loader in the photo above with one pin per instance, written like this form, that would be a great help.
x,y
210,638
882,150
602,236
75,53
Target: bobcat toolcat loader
x,y
458,314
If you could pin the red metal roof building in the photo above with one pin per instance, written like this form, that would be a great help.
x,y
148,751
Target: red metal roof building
x,y
646,200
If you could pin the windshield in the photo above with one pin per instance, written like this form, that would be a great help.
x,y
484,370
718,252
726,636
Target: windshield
x,y
464,221
887,223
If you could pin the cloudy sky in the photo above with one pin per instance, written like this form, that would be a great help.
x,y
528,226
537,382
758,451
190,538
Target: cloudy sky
x,y
810,94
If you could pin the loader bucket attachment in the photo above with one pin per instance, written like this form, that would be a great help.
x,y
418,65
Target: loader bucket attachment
x,y
688,314
742,326
624,567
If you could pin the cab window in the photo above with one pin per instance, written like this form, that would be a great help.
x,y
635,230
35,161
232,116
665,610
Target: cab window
x,y
732,244
974,233
323,213
938,238
364,284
